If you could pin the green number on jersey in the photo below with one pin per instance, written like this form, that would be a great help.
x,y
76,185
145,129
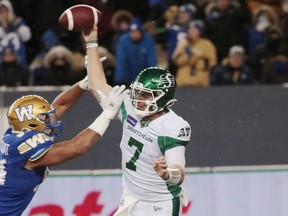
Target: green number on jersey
x,y
131,164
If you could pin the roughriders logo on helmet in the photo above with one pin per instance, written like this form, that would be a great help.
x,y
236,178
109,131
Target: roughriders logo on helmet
x,y
166,81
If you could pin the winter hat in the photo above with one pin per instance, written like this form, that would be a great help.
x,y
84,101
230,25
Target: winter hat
x,y
239,50
59,51
119,17
48,40
199,24
188,8
7,4
135,25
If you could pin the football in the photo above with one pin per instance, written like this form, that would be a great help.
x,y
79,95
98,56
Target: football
x,y
79,18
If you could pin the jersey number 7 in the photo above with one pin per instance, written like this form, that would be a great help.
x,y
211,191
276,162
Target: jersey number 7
x,y
139,147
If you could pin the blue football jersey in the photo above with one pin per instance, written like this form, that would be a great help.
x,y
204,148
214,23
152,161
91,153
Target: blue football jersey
x,y
17,184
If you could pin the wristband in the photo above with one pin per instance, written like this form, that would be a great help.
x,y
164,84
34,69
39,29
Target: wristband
x,y
174,176
92,43
100,124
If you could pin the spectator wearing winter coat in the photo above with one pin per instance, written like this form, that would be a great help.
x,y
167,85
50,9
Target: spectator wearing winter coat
x,y
233,70
136,50
12,72
59,64
120,23
48,40
274,44
194,57
177,28
13,28
263,18
225,25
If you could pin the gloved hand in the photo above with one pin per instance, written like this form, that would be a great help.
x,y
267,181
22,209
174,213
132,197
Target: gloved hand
x,y
84,83
112,103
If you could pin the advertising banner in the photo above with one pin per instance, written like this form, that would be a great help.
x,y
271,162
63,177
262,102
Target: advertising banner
x,y
252,193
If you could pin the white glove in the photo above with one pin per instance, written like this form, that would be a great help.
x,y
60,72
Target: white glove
x,y
84,83
112,103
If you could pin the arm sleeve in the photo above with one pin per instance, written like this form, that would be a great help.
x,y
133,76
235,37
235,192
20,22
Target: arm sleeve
x,y
176,156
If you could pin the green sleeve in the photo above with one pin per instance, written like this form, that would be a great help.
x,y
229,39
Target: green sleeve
x,y
165,143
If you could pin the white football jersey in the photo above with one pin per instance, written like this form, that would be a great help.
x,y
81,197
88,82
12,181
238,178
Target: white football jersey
x,y
142,144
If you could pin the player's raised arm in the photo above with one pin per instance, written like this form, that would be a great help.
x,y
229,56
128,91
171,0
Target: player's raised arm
x,y
65,100
96,75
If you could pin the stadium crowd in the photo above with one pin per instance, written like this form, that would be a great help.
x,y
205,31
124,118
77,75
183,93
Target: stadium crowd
x,y
203,42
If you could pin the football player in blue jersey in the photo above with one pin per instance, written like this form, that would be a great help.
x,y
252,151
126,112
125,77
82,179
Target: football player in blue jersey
x,y
27,148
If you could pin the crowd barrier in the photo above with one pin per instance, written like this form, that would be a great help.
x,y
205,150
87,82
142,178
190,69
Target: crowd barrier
x,y
231,126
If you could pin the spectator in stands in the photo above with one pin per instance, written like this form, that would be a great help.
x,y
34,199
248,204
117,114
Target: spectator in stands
x,y
13,28
120,23
170,15
177,30
275,71
273,45
225,25
48,40
263,18
283,22
141,9
12,72
58,62
233,70
194,57
275,5
136,50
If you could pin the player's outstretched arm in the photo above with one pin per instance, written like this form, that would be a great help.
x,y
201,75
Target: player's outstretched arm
x,y
82,142
96,75
65,100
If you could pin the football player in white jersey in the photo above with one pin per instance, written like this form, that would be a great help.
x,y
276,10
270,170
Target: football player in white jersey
x,y
153,139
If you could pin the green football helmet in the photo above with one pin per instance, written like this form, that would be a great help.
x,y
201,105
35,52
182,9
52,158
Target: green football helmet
x,y
156,82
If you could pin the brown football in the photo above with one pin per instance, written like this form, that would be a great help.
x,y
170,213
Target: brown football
x,y
80,18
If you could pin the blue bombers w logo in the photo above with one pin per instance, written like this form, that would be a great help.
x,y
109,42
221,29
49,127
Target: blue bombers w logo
x,y
24,111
